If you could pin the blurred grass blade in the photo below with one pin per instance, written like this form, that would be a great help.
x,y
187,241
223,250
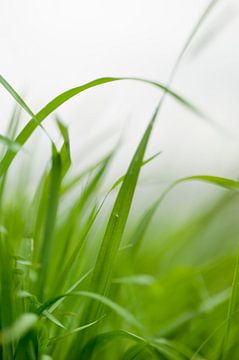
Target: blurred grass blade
x,y
10,144
16,96
232,306
19,328
121,311
21,102
190,38
69,185
6,295
142,279
145,162
139,233
50,221
225,183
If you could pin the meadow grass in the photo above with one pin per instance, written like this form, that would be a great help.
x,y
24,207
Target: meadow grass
x,y
76,285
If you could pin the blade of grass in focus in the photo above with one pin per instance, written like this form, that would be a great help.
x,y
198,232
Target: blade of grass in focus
x,y
61,99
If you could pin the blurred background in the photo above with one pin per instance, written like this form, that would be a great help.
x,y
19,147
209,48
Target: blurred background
x,y
50,46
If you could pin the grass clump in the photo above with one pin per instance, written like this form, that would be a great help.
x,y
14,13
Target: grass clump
x,y
69,290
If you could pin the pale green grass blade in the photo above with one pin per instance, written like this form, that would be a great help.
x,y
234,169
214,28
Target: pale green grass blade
x,y
18,329
122,312
71,289
140,231
119,310
72,332
145,162
10,144
225,183
16,96
69,184
141,279
53,319
21,102
232,306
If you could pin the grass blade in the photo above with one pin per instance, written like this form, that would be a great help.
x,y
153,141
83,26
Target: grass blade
x,y
50,220
18,329
65,96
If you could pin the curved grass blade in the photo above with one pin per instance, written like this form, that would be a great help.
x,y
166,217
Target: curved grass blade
x,y
65,96
138,351
73,287
121,311
102,339
158,346
21,102
225,183
72,332
139,233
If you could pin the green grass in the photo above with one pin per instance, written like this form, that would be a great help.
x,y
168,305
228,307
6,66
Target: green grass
x,y
77,284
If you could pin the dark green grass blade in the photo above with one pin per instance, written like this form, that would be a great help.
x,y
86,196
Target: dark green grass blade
x,y
138,352
65,96
65,152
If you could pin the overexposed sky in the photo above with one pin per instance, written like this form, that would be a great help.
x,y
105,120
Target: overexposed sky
x,y
49,46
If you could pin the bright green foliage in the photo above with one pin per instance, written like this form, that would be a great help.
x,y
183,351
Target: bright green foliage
x,y
75,284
